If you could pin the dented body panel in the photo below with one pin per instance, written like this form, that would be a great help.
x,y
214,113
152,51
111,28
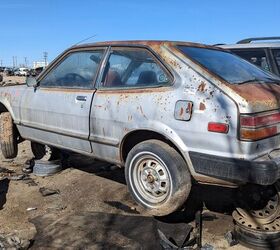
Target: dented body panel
x,y
99,126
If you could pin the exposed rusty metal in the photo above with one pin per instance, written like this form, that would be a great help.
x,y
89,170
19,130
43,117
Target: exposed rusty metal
x,y
202,106
267,95
201,87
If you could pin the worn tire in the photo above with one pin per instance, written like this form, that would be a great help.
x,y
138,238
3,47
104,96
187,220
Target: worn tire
x,y
157,177
8,136
41,151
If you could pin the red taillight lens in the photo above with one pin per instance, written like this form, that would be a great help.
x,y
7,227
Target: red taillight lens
x,y
257,121
218,127
260,126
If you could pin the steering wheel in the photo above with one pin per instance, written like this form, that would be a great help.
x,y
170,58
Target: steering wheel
x,y
74,77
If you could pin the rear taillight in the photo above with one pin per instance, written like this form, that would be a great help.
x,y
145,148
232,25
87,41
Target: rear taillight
x,y
260,126
218,127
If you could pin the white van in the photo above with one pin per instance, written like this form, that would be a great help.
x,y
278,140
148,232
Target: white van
x,y
21,72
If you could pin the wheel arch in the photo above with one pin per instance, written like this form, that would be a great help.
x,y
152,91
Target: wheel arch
x,y
136,136
4,108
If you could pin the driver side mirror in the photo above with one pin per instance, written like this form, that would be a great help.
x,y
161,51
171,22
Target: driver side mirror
x,y
32,82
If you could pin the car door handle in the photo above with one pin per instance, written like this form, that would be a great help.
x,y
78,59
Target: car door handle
x,y
81,98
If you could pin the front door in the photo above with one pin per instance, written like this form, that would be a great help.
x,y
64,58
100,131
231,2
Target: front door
x,y
57,112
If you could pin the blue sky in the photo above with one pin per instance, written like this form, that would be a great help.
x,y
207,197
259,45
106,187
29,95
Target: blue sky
x,y
28,28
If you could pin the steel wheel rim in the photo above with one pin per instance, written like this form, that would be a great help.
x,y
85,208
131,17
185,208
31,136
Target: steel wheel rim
x,y
269,213
150,178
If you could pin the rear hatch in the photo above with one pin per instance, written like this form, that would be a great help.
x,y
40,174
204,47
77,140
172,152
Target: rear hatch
x,y
255,91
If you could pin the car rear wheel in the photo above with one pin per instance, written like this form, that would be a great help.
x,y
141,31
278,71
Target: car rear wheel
x,y
8,136
157,177
44,152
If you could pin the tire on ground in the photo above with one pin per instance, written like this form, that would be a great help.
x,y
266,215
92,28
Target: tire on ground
x,y
157,177
8,136
41,151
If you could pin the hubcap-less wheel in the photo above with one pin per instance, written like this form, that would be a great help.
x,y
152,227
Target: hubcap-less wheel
x,y
151,178
157,177
269,212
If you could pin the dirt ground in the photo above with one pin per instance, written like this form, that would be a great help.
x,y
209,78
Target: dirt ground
x,y
93,209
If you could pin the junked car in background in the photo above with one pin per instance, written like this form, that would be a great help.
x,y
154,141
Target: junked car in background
x,y
261,51
21,72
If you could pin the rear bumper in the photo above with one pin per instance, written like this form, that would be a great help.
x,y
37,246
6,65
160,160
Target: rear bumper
x,y
262,172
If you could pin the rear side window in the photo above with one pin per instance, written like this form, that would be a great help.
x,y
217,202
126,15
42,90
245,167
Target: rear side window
x,y
257,57
276,54
77,70
228,66
133,67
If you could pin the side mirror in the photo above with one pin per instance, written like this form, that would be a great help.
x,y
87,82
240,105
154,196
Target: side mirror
x,y
31,82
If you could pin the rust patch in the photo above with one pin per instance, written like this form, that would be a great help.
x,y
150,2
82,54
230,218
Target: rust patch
x,y
125,130
175,64
141,110
133,91
201,87
202,106
67,90
181,112
266,96
98,106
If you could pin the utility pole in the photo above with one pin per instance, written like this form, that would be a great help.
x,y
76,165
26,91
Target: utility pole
x,y
16,61
25,61
45,58
13,62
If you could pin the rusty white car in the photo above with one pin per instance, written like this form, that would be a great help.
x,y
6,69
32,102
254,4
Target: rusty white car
x,y
173,114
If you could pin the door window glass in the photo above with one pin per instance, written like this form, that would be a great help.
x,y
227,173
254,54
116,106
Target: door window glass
x,y
77,70
133,68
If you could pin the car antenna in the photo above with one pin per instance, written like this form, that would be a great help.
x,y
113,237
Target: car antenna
x,y
85,40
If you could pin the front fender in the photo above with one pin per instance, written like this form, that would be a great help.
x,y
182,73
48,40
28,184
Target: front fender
x,y
10,98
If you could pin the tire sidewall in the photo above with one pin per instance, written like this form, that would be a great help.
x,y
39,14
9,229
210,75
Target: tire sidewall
x,y
179,177
8,136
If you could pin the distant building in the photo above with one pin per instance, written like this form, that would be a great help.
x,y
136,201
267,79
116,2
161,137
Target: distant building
x,y
39,64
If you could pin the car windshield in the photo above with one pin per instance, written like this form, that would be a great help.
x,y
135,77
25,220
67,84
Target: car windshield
x,y
227,66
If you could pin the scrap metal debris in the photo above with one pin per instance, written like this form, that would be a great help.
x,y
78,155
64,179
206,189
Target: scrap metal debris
x,y
28,166
47,191
13,242
31,209
18,177
231,238
6,171
189,243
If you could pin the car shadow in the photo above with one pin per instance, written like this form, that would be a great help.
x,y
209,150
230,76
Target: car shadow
x,y
213,198
216,199
99,168
4,186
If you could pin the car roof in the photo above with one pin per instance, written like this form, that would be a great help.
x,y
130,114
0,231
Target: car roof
x,y
251,45
143,43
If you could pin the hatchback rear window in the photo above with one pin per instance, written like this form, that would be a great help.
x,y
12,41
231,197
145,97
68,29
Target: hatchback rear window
x,y
227,66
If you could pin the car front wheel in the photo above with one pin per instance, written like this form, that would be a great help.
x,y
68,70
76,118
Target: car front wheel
x,y
157,177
